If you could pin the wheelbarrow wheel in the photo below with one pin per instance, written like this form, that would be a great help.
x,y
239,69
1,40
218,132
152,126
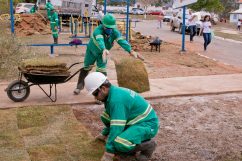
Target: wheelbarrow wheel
x,y
18,91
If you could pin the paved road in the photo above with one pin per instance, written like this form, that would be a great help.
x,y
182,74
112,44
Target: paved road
x,y
221,50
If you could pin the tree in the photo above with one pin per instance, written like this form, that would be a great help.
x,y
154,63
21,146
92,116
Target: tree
x,y
208,5
229,5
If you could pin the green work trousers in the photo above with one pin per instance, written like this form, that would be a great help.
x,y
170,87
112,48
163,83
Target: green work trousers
x,y
54,31
93,56
136,134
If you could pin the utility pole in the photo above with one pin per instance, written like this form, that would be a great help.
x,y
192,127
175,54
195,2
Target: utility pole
x,y
12,16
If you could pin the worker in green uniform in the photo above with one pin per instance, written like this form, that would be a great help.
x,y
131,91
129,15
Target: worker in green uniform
x,y
130,121
101,41
54,24
33,9
48,7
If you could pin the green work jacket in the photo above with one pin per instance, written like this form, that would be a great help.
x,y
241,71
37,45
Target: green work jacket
x,y
99,41
124,108
54,19
33,9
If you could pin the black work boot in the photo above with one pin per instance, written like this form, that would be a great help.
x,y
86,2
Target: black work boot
x,y
55,40
146,150
80,83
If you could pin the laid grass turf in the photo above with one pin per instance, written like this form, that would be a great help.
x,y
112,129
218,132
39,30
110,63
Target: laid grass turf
x,y
46,133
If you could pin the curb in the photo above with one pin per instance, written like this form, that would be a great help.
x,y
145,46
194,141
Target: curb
x,y
229,40
146,97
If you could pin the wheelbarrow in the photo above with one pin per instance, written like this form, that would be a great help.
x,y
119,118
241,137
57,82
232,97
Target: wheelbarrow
x,y
19,90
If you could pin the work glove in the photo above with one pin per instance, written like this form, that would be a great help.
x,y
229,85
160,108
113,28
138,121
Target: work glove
x,y
107,157
136,55
105,55
101,137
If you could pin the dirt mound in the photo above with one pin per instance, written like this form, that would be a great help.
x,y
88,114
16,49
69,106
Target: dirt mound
x,y
30,24
140,42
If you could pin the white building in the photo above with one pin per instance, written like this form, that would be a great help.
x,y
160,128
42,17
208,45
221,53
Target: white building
x,y
234,16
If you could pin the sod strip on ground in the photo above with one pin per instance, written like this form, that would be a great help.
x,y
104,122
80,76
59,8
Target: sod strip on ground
x,y
53,133
12,146
45,133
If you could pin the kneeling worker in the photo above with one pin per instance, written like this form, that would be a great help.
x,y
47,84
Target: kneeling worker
x,y
130,121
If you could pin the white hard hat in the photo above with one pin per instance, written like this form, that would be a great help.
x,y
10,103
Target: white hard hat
x,y
93,81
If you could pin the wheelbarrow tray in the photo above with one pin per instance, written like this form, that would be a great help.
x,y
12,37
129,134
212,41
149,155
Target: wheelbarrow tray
x,y
46,78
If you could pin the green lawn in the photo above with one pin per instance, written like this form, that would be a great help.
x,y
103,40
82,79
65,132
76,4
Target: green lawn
x,y
45,133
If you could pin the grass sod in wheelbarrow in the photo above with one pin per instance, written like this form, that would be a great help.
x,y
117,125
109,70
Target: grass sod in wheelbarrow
x,y
44,66
132,74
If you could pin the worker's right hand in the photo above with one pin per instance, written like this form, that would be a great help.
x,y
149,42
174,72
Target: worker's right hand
x,y
101,137
136,55
107,157
105,55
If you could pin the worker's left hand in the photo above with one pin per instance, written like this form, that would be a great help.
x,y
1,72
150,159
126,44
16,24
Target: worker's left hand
x,y
101,137
107,157
136,55
105,55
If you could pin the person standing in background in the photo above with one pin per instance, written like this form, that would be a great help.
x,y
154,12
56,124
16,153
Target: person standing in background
x,y
33,9
206,29
160,20
54,21
192,25
49,7
238,24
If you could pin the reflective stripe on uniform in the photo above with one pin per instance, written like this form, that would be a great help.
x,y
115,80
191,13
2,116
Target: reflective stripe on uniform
x,y
95,42
106,116
120,38
88,68
99,37
140,117
101,69
118,122
54,32
124,142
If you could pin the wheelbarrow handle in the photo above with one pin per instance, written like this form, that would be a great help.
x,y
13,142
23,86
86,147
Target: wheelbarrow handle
x,y
74,65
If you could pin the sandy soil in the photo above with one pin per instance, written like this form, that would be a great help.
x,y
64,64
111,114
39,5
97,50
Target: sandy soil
x,y
168,63
202,128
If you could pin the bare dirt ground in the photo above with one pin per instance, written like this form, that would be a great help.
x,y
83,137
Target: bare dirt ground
x,y
201,128
168,63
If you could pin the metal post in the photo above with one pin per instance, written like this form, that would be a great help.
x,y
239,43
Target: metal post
x,y
90,29
105,7
71,25
12,16
51,49
183,28
127,21
60,29
130,30
76,27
